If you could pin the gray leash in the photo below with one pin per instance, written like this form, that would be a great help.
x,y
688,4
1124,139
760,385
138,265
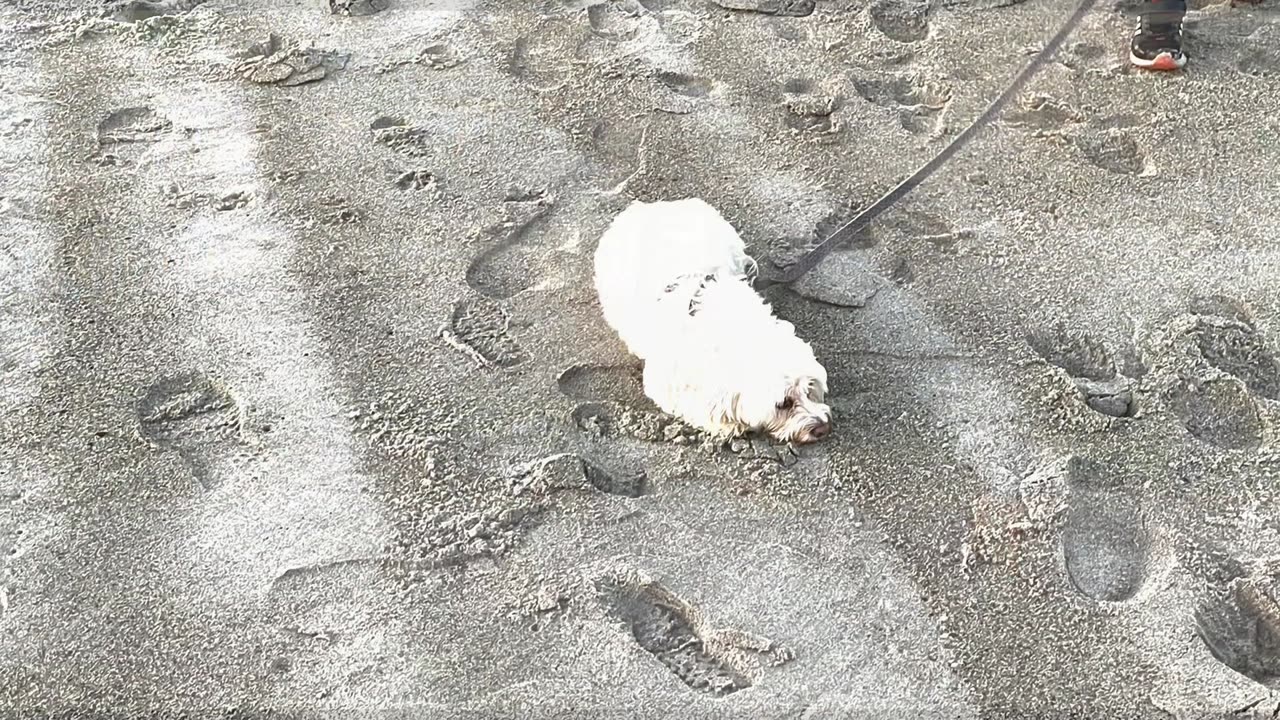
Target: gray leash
x,y
815,255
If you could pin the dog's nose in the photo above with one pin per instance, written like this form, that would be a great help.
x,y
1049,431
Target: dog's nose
x,y
819,431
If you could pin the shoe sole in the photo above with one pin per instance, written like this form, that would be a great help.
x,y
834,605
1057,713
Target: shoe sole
x,y
1163,61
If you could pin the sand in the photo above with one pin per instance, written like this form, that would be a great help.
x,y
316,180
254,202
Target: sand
x,y
307,408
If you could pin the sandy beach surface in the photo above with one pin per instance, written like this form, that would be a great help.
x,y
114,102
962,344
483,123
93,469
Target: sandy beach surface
x,y
307,409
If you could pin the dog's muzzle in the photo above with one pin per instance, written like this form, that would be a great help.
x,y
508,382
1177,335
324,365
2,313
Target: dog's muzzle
x,y
814,433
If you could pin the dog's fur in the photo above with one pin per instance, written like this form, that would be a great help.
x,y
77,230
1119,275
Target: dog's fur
x,y
674,281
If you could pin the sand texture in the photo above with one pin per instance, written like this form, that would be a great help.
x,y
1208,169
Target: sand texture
x,y
307,409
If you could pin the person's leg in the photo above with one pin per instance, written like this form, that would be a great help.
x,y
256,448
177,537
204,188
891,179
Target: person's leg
x,y
1157,43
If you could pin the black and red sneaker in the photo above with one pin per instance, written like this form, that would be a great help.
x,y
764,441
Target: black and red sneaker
x,y
1157,46
1157,43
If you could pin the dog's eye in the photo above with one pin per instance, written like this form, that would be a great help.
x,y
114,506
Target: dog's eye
x,y
787,404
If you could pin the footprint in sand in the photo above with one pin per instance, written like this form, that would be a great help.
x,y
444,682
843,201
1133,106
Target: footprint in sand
x,y
678,93
780,8
825,227
275,62
481,328
508,266
418,180
234,200
1219,412
440,56
611,402
1233,345
1240,624
1043,114
808,111
1075,351
618,20
596,419
135,11
1105,542
605,393
784,251
1221,307
690,86
396,133
980,4
905,21
717,663
568,471
194,415
634,33
918,103
1087,361
1079,55
1209,561
618,146
338,211
843,279
124,134
1258,62
357,8
1112,150
434,55
613,481
604,383
542,60
1222,410
935,230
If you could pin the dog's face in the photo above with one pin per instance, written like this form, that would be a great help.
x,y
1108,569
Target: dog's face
x,y
791,410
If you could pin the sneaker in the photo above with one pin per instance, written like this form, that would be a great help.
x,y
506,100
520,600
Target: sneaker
x,y
1158,46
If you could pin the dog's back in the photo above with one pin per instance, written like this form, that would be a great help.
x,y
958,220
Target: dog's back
x,y
653,251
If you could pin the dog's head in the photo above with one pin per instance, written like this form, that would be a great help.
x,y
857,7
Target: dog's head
x,y
789,408
779,390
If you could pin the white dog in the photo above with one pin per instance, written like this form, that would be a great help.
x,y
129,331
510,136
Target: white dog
x,y
674,282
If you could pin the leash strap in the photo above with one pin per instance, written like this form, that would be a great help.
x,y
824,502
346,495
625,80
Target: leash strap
x,y
810,260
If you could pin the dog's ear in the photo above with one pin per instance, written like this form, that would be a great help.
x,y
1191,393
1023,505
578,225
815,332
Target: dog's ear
x,y
819,388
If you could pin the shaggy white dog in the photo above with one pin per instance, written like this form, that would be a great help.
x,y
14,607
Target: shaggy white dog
x,y
674,281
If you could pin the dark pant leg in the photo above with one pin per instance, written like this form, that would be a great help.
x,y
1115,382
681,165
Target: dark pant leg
x,y
1163,11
